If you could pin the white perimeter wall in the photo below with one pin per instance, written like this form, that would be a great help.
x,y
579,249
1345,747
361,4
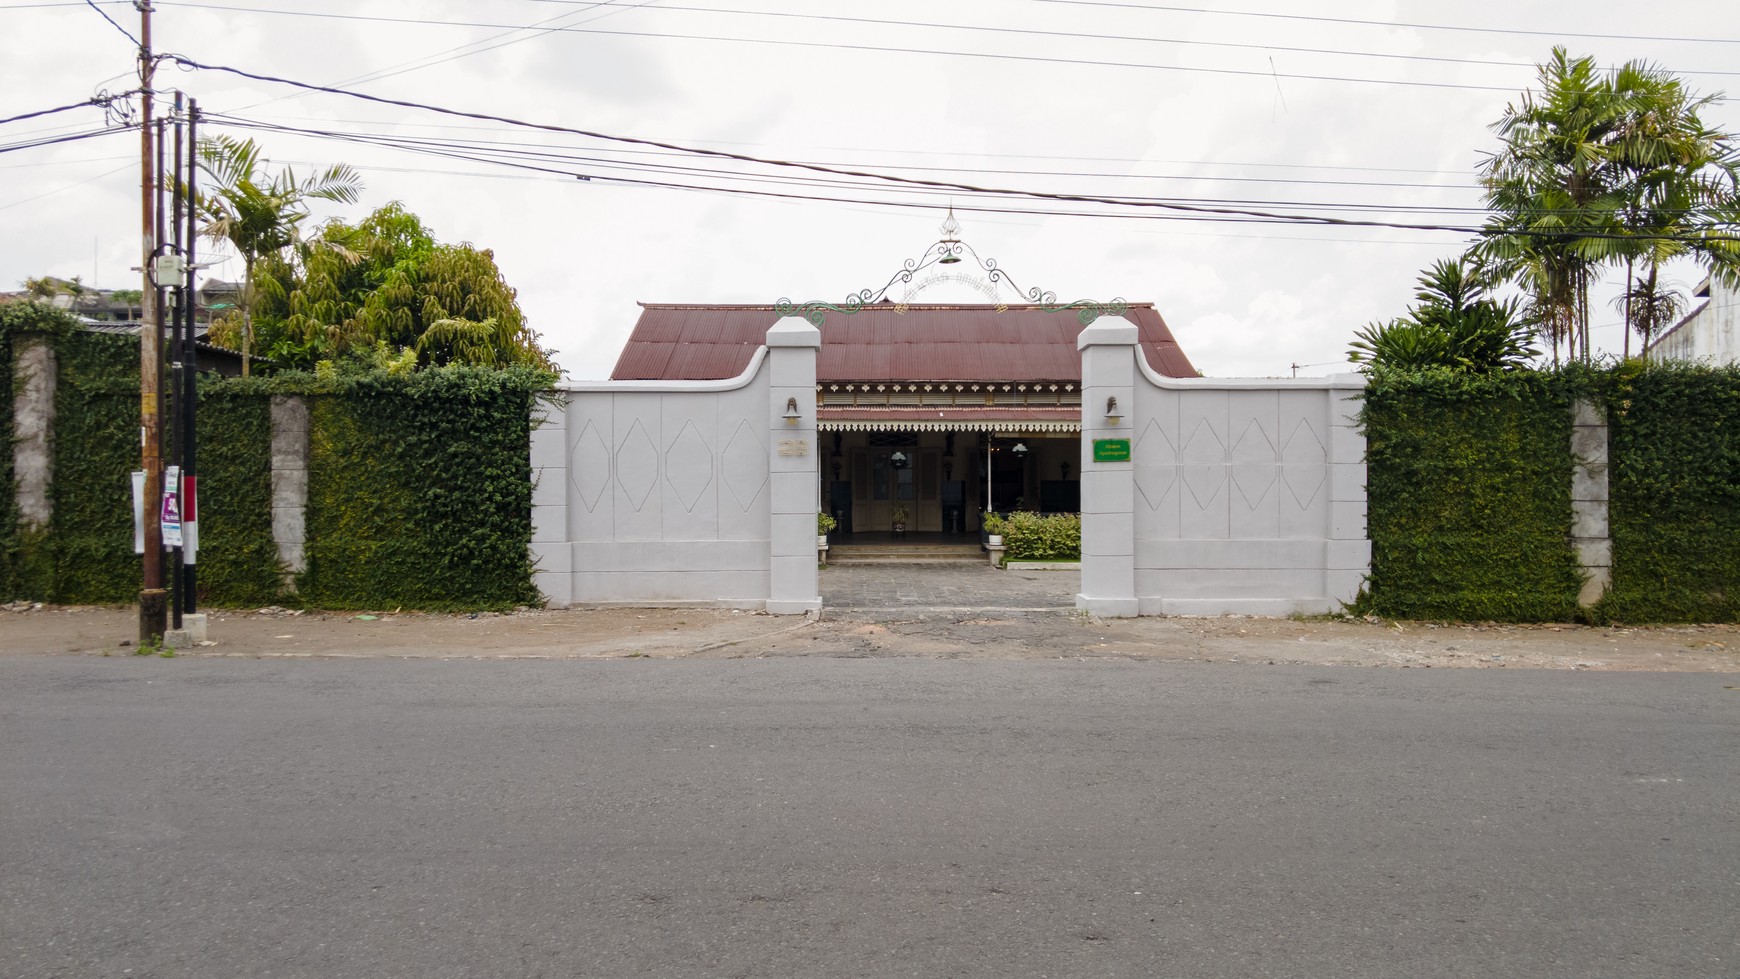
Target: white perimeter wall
x,y
1240,497
1710,336
661,493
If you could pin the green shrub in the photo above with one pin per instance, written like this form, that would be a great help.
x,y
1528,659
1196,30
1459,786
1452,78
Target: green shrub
x,y
1031,537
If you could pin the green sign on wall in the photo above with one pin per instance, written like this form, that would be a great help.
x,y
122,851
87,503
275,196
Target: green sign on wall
x,y
1111,450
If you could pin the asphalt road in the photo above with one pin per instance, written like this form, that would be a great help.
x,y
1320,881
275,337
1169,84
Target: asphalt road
x,y
838,817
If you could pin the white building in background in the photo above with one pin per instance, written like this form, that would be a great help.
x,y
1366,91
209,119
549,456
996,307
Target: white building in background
x,y
1710,334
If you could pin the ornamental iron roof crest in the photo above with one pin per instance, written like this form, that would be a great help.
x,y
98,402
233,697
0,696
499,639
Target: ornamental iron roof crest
x,y
949,250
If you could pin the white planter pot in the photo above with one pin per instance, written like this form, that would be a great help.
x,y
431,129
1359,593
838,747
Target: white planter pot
x,y
995,540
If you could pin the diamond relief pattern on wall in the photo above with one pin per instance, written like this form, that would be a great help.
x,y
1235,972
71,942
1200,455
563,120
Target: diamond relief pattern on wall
x,y
744,465
1304,444
589,472
1304,483
1253,444
689,466
637,465
1254,483
1204,483
1155,483
1204,444
1155,446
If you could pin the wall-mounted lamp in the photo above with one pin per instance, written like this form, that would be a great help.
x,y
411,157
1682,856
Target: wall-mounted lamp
x,y
1113,415
898,460
1020,449
791,412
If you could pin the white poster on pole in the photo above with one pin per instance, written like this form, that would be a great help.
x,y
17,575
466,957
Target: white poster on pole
x,y
171,515
138,511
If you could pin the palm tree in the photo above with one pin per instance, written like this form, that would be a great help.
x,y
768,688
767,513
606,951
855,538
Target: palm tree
x,y
1457,325
1552,194
1602,169
260,214
1678,177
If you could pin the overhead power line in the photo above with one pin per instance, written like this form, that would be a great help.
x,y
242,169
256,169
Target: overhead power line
x,y
96,100
810,188
876,22
898,49
1392,23
104,14
816,168
1182,208
552,152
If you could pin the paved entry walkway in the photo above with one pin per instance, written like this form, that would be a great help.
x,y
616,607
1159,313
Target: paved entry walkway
x,y
950,588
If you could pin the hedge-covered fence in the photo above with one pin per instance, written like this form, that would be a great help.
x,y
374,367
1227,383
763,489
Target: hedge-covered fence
x,y
1468,494
1674,439
419,489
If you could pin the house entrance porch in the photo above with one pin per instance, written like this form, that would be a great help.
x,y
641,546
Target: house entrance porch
x,y
886,486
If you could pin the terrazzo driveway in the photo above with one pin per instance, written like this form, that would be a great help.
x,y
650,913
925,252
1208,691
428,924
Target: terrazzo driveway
x,y
950,588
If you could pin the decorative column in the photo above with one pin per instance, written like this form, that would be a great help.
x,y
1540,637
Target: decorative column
x,y
1589,528
1108,530
552,554
793,584
33,384
290,484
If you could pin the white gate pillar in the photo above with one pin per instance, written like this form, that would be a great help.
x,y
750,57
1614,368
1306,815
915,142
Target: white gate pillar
x,y
1108,531
793,586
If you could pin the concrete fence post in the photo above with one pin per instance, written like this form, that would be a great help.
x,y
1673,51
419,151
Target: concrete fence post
x,y
1108,530
33,387
793,583
290,483
552,554
1589,527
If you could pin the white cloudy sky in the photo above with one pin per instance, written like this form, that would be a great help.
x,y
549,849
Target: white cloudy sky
x,y
1210,102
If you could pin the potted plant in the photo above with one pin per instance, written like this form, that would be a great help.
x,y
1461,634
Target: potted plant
x,y
900,515
825,524
993,526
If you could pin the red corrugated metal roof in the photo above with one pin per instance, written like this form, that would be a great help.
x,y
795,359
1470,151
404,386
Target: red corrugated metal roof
x,y
868,412
881,343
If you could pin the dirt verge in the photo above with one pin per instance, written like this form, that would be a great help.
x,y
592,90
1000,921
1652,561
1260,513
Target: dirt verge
x,y
698,632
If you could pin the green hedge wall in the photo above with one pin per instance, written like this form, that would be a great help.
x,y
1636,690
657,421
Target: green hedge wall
x,y
238,560
1469,497
10,546
419,484
96,446
1674,485
420,491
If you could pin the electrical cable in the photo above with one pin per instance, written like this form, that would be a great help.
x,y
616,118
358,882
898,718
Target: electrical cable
x,y
1196,213
93,100
834,171
484,145
1393,24
74,137
927,25
1039,59
105,15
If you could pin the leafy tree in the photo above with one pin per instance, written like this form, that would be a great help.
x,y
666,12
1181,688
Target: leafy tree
x,y
385,284
260,214
1456,325
1601,169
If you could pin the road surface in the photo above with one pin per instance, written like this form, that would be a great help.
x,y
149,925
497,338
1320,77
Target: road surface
x,y
821,816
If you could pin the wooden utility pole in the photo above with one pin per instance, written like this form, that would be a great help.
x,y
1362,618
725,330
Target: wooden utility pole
x,y
153,601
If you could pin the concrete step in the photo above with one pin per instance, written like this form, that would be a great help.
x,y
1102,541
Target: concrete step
x,y
905,554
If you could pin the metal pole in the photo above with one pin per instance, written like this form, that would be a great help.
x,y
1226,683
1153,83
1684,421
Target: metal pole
x,y
177,405
151,595
987,508
190,382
